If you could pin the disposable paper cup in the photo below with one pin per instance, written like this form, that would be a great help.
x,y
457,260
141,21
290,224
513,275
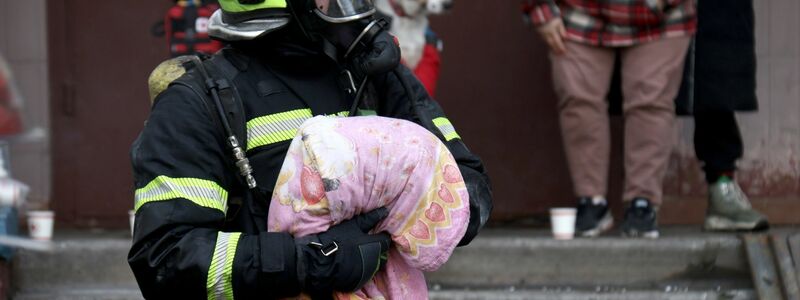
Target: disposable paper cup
x,y
9,193
132,218
563,223
40,224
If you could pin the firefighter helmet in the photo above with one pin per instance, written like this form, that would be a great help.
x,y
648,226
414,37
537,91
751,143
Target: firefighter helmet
x,y
249,19
238,20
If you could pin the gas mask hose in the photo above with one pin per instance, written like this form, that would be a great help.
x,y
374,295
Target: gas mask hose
x,y
373,52
359,93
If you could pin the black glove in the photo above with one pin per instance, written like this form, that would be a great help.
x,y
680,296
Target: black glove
x,y
382,57
377,53
343,258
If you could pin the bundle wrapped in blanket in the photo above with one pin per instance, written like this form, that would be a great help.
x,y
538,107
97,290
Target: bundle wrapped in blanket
x,y
338,168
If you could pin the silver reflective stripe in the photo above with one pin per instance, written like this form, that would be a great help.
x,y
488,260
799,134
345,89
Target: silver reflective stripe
x,y
218,283
447,129
202,192
276,128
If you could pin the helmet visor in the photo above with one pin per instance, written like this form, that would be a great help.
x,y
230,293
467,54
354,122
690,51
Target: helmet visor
x,y
341,11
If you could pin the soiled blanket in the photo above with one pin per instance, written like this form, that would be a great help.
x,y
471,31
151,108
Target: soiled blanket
x,y
337,168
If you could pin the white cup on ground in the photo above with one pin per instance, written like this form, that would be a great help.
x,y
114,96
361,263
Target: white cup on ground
x,y
562,220
132,218
40,224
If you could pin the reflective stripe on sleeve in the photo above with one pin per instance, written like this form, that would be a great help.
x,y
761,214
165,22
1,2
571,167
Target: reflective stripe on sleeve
x,y
205,193
218,284
447,129
280,127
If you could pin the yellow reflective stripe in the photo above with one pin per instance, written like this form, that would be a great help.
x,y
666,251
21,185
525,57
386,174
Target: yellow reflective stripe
x,y
341,114
218,283
447,129
284,116
205,193
280,127
275,128
235,6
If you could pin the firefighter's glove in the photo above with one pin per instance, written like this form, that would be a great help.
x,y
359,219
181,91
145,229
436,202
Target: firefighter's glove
x,y
382,57
343,258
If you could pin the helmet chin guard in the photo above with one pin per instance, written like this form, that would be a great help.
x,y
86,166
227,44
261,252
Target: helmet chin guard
x,y
243,31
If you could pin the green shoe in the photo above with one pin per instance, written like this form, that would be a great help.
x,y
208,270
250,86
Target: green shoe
x,y
730,210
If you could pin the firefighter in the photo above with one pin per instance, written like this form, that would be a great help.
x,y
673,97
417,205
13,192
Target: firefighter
x,y
200,229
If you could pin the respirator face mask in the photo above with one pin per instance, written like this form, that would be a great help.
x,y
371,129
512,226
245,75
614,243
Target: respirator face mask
x,y
343,11
363,43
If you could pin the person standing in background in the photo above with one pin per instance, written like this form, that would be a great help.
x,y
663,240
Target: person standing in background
x,y
10,102
720,79
652,39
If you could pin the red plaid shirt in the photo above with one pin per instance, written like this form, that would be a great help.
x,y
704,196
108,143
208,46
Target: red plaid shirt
x,y
617,23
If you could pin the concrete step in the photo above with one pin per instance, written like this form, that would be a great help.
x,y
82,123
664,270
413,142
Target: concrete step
x,y
81,294
500,264
568,294
530,258
488,294
81,261
685,264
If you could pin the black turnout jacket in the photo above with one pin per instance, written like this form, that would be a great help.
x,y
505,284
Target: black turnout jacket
x,y
198,231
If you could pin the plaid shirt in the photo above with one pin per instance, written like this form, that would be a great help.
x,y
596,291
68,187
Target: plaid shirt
x,y
617,23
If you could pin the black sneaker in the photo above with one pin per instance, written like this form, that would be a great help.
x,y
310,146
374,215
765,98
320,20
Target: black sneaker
x,y
641,219
593,216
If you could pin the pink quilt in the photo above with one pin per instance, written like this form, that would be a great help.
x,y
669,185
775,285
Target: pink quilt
x,y
337,168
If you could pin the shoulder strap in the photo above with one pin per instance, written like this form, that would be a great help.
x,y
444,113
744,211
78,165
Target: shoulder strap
x,y
225,105
230,111
229,97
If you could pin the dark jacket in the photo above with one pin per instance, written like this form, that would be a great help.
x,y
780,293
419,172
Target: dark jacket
x,y
720,72
197,227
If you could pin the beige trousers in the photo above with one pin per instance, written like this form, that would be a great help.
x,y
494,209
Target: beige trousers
x,y
651,77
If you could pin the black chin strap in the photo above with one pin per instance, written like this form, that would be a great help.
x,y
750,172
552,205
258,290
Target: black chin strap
x,y
330,50
305,24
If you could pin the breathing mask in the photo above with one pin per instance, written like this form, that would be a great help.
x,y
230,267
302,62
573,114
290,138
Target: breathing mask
x,y
362,43
343,11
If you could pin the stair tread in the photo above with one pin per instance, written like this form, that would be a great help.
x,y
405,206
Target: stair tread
x,y
498,257
600,293
67,293
565,294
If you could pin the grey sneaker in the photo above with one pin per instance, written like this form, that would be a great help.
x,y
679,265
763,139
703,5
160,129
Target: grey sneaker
x,y
730,210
